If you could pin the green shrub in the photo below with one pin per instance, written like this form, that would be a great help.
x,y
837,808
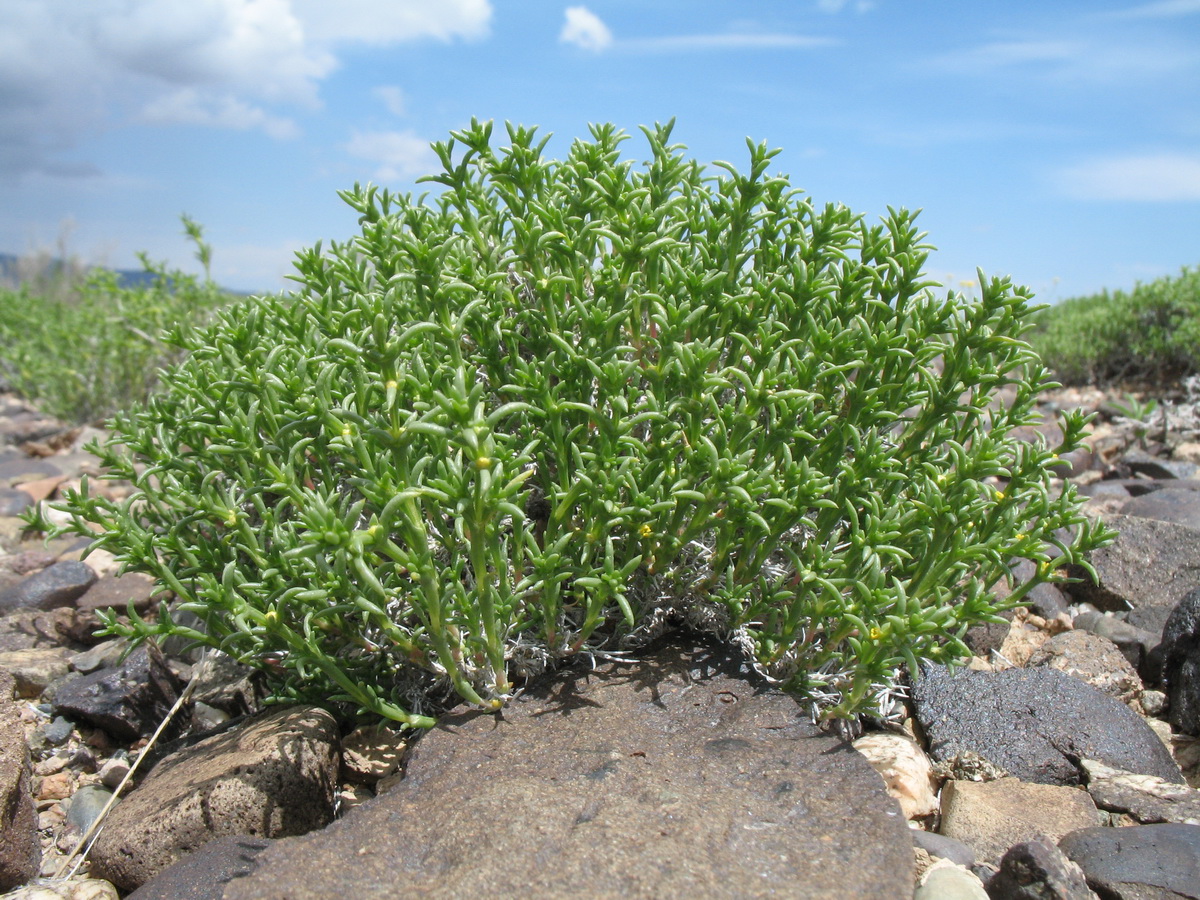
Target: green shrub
x,y
563,405
1149,334
85,352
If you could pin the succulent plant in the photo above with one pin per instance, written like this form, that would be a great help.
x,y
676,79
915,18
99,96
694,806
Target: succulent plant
x,y
556,407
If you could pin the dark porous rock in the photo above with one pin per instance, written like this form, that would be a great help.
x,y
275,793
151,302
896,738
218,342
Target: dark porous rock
x,y
1092,659
275,777
1150,564
20,849
59,585
1181,663
1035,724
675,777
204,874
1148,799
1172,505
1038,870
1047,601
226,684
983,639
127,702
1140,862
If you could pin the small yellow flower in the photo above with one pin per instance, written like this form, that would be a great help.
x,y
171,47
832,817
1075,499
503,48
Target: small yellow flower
x,y
483,462
875,634
232,518
392,385
346,432
645,531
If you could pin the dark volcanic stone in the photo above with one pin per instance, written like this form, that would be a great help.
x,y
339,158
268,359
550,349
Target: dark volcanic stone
x,y
1181,663
128,702
1038,870
204,874
59,585
676,777
1150,564
1140,861
1036,724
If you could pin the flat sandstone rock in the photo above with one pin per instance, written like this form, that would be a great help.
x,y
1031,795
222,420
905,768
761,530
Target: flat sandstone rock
x,y
676,777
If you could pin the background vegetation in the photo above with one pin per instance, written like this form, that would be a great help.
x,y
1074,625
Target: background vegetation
x,y
1149,335
83,343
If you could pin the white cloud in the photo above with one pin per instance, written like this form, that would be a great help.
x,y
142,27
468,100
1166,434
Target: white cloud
x,y
583,28
189,106
256,47
1164,9
1161,177
836,6
727,41
382,22
393,99
399,155
70,69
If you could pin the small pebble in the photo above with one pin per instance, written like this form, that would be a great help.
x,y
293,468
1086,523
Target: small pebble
x,y
113,772
55,787
1153,702
86,805
58,731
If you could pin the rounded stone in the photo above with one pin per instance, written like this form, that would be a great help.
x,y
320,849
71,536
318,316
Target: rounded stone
x,y
677,777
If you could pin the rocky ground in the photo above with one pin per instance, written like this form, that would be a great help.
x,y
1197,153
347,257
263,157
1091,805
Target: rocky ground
x,y
1063,762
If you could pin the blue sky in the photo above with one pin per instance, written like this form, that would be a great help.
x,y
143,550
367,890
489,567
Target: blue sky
x,y
1056,142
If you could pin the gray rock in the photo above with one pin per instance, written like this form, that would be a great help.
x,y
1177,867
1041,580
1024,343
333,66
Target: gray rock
x,y
128,702
1181,664
35,670
1181,506
14,502
1091,659
57,731
1150,564
15,469
20,849
27,629
938,845
273,778
1038,870
1139,862
675,777
59,585
1134,643
1150,466
204,874
86,805
1036,724
117,591
1148,799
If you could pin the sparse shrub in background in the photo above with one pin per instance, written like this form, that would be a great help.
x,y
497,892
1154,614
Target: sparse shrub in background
x,y
87,346
1149,334
563,406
